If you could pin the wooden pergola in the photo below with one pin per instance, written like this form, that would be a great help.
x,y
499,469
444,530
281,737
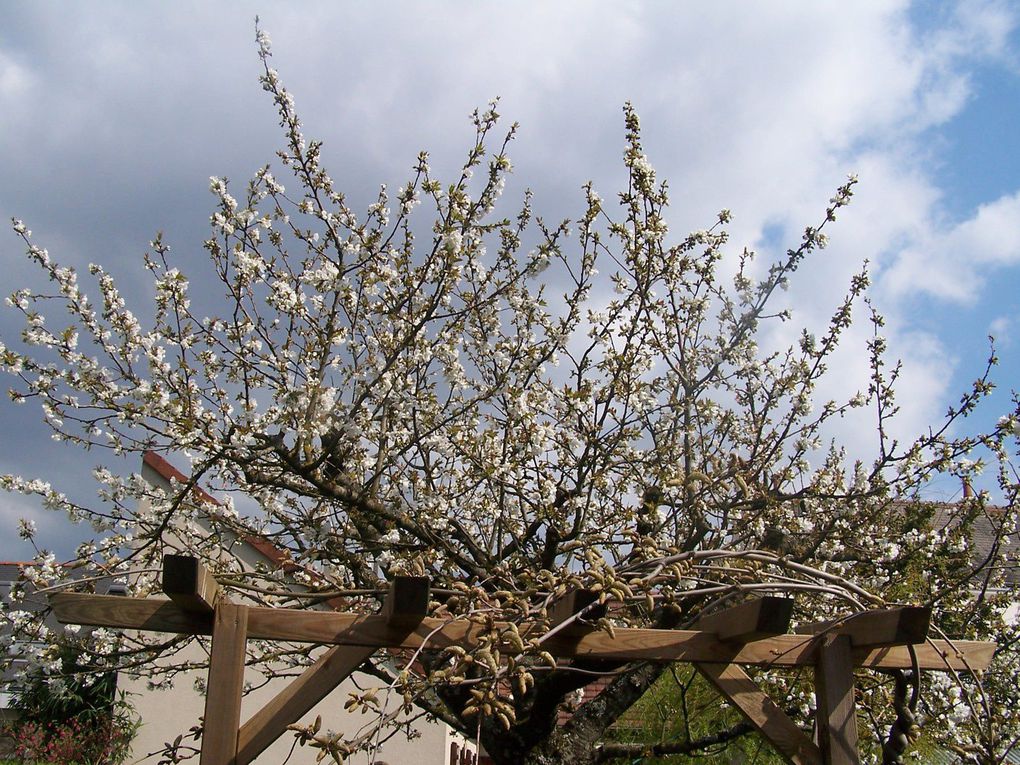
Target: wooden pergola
x,y
754,633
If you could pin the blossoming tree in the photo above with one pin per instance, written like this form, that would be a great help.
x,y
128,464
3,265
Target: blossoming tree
x,y
512,408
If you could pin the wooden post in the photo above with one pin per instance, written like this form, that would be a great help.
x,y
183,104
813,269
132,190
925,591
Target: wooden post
x,y
190,584
224,685
570,603
407,602
834,699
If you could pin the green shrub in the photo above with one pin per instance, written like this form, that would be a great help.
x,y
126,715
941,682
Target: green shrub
x,y
77,718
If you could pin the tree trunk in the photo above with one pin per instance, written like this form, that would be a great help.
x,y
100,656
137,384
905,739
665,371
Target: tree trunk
x,y
561,748
575,743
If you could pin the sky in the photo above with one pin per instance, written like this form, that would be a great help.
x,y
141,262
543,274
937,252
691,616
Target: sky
x,y
113,116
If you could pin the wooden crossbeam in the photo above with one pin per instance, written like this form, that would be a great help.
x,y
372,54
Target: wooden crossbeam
x,y
752,620
190,584
629,644
223,689
407,601
152,614
834,699
405,605
763,713
903,625
571,603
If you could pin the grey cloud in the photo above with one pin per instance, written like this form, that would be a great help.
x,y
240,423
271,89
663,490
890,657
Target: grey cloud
x,y
115,114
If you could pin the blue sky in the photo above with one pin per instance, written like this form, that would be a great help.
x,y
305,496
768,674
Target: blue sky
x,y
114,115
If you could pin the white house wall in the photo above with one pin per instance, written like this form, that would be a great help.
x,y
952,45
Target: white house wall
x,y
165,713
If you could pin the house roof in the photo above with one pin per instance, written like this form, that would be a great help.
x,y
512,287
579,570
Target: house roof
x,y
170,473
273,554
988,537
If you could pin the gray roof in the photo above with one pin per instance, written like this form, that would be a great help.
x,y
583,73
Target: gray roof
x,y
988,538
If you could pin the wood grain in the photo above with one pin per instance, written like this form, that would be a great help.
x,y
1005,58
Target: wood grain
x,y
834,697
763,713
223,691
751,620
903,625
154,614
629,644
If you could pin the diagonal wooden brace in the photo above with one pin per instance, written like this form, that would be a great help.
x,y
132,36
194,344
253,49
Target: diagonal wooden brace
x,y
405,606
763,713
748,621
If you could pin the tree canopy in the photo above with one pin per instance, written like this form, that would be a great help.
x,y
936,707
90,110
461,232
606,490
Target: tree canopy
x,y
512,407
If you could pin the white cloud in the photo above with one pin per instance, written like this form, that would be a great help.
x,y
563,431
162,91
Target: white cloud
x,y
761,108
1003,330
51,529
14,79
953,262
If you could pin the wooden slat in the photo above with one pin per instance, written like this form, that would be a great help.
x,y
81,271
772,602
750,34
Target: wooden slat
x,y
834,697
190,584
903,625
226,680
405,605
751,620
630,644
771,721
152,614
300,695
570,603
407,602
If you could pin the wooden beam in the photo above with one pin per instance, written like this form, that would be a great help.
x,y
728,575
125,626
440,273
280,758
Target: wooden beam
x,y
225,682
405,606
152,614
750,620
572,602
190,584
763,713
903,625
407,602
629,644
300,695
834,699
